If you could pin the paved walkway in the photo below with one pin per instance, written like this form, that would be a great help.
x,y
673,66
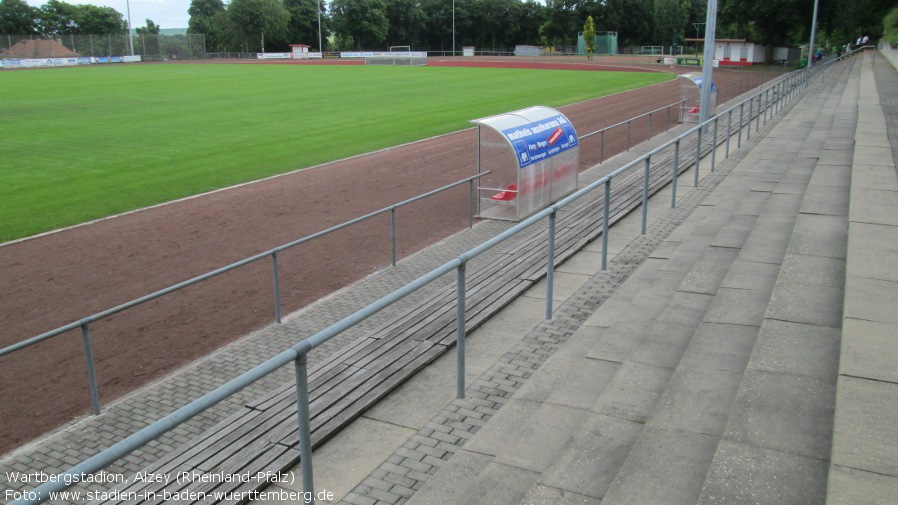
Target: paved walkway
x,y
702,367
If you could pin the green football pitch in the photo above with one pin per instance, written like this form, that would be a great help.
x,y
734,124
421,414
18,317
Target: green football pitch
x,y
82,143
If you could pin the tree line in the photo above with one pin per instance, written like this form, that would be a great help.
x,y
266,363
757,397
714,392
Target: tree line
x,y
56,18
427,25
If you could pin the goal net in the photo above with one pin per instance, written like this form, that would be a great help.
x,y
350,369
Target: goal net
x,y
397,58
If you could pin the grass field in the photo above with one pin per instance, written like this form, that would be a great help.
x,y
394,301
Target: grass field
x,y
83,143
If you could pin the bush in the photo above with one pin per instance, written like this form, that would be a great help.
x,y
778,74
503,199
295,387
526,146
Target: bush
x,y
890,27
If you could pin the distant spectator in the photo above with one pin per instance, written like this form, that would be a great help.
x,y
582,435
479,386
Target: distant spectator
x,y
865,40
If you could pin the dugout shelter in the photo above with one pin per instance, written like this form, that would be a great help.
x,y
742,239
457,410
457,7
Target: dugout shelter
x,y
690,94
532,156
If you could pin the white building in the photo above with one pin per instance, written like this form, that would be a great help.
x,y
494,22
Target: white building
x,y
736,52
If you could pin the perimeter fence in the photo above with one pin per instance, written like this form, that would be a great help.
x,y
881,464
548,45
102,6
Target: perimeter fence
x,y
747,114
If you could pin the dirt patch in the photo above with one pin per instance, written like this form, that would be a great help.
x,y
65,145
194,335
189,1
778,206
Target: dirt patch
x,y
59,277
38,49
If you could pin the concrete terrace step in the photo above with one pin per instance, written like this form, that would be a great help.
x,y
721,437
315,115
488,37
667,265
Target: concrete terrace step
x,y
656,398
776,445
864,468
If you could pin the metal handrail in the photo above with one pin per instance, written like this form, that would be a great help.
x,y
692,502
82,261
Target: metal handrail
x,y
789,87
84,322
631,119
629,122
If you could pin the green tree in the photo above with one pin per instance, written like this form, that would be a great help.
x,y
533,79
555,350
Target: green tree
x,y
632,19
589,37
437,35
890,27
361,23
847,20
59,18
768,22
562,22
532,16
17,18
56,18
303,26
671,17
405,22
495,24
201,14
259,19
95,20
209,17
150,29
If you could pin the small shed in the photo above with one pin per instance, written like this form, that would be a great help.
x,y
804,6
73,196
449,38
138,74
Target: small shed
x,y
299,50
735,52
690,93
532,156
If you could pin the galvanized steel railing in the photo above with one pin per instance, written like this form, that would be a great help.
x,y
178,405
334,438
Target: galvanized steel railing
x,y
84,323
770,101
629,123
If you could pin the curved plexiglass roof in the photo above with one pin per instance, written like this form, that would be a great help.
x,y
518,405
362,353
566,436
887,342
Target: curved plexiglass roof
x,y
521,117
534,134
696,78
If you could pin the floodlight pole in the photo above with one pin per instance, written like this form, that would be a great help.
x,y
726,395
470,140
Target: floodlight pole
x,y
708,64
813,33
130,37
453,27
320,47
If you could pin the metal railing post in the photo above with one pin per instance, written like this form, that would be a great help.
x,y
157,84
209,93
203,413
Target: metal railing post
x,y
550,265
602,147
698,152
758,117
784,91
751,102
673,177
714,145
645,194
277,287
393,236
305,425
460,331
91,373
667,121
649,133
729,129
775,102
606,210
741,122
781,87
471,203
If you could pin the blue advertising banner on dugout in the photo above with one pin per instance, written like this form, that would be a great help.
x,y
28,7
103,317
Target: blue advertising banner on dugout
x,y
541,140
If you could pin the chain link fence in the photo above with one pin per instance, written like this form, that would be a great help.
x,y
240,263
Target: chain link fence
x,y
148,47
